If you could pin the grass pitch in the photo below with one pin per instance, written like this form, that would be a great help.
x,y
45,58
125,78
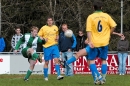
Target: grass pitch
x,y
76,80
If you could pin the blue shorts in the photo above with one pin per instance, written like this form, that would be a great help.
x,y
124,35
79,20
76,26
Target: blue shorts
x,y
51,52
100,52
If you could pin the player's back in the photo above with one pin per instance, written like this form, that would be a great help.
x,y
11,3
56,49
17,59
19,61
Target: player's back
x,y
99,24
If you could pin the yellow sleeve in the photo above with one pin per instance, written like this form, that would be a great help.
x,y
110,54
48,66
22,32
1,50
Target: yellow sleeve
x,y
89,24
40,33
112,23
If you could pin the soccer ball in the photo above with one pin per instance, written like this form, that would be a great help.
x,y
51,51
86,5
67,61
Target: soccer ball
x,y
68,33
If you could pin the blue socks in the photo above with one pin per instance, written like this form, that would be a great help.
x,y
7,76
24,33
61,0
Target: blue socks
x,y
71,60
57,67
94,71
104,68
45,70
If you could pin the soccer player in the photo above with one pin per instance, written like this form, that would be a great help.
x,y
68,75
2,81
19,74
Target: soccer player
x,y
99,26
29,41
50,48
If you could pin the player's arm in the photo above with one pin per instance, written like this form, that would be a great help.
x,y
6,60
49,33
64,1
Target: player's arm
x,y
119,34
112,24
89,29
89,39
112,30
57,35
41,40
40,33
86,41
57,38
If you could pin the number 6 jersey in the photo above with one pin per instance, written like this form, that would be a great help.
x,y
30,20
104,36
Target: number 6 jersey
x,y
99,24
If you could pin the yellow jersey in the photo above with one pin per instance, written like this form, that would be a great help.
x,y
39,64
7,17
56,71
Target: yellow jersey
x,y
50,33
99,24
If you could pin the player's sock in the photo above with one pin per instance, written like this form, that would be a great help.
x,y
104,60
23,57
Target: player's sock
x,y
29,72
71,60
94,71
57,67
104,71
45,72
35,56
104,68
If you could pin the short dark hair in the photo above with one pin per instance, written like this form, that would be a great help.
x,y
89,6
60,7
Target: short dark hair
x,y
49,17
17,27
97,4
80,30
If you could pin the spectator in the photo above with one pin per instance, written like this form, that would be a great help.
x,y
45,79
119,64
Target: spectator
x,y
2,44
16,38
122,47
66,45
80,40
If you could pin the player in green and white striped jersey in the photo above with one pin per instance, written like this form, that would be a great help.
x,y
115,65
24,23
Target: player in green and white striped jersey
x,y
30,41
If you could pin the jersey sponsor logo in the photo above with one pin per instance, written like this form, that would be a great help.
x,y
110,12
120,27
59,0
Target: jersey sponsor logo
x,y
54,29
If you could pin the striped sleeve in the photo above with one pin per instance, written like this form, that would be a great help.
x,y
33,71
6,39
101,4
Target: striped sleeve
x,y
13,42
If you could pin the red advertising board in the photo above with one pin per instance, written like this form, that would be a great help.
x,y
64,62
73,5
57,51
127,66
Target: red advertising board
x,y
81,66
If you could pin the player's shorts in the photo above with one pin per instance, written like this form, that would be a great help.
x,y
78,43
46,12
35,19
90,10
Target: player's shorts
x,y
100,52
51,52
24,53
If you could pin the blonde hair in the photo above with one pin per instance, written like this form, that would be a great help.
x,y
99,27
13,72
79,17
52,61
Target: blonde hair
x,y
34,28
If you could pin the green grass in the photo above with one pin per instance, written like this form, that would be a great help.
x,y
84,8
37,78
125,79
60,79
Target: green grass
x,y
76,80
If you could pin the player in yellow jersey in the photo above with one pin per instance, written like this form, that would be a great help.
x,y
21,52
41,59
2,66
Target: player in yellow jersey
x,y
99,26
50,33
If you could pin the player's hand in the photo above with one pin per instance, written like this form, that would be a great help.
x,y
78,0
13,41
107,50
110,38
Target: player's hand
x,y
57,38
86,41
120,34
46,39
41,38
91,44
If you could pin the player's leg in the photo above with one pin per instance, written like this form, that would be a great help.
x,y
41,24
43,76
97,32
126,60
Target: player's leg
x,y
69,68
47,55
56,55
104,70
96,75
120,62
124,63
29,72
91,55
27,53
80,53
45,70
34,55
103,55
